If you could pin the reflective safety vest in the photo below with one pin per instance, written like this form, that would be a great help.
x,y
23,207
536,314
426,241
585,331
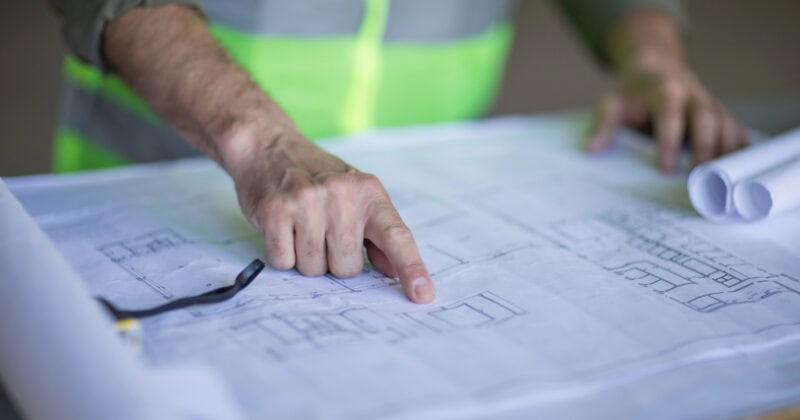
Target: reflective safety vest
x,y
335,66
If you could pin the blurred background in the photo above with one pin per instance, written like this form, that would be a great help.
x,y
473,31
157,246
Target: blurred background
x,y
746,52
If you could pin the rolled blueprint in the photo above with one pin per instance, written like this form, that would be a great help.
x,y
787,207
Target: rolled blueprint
x,y
770,193
711,185
59,355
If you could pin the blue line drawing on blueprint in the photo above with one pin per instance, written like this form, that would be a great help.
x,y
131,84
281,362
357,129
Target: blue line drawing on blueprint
x,y
293,285
125,253
463,239
647,247
281,335
481,310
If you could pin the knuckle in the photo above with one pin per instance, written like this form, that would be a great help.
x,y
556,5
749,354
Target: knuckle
x,y
672,91
273,213
274,244
707,122
370,183
345,252
305,198
274,222
311,270
344,271
311,263
348,246
280,261
415,268
267,216
311,251
339,186
397,232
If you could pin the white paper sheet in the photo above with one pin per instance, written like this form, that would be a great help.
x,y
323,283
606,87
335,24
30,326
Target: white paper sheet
x,y
59,356
49,324
567,286
712,185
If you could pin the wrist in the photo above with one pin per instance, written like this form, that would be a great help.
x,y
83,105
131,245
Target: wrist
x,y
652,62
239,144
251,139
646,41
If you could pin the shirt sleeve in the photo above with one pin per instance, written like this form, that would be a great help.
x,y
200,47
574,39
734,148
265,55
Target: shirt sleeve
x,y
83,22
594,18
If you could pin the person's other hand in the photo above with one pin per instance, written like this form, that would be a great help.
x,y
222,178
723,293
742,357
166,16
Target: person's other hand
x,y
660,91
317,213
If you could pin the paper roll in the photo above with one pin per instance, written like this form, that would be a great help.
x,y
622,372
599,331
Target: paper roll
x,y
771,193
59,356
711,185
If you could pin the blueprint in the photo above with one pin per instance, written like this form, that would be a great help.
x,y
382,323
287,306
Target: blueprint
x,y
60,356
567,286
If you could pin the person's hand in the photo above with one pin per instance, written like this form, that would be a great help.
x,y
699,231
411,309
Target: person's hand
x,y
317,213
671,100
660,91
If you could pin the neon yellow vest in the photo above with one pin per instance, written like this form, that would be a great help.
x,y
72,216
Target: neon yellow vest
x,y
336,67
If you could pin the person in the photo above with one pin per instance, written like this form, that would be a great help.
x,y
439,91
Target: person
x,y
248,84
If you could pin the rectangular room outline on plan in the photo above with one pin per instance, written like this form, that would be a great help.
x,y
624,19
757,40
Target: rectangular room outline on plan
x,y
125,254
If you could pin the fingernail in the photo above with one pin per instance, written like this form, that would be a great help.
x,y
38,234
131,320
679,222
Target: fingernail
x,y
423,290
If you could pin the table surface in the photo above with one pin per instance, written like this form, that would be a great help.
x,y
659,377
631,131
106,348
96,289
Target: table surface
x,y
7,410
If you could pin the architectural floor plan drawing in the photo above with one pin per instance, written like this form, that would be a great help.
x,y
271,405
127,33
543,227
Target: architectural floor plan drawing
x,y
126,253
567,286
284,335
655,253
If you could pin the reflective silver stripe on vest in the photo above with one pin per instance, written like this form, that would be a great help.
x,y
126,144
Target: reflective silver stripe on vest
x,y
298,18
118,130
409,20
443,20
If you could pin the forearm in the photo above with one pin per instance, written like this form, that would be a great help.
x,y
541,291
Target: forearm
x,y
596,20
168,56
645,40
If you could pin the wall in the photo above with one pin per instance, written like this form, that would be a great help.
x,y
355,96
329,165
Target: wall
x,y
745,51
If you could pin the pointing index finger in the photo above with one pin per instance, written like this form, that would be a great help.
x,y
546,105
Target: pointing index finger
x,y
389,234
